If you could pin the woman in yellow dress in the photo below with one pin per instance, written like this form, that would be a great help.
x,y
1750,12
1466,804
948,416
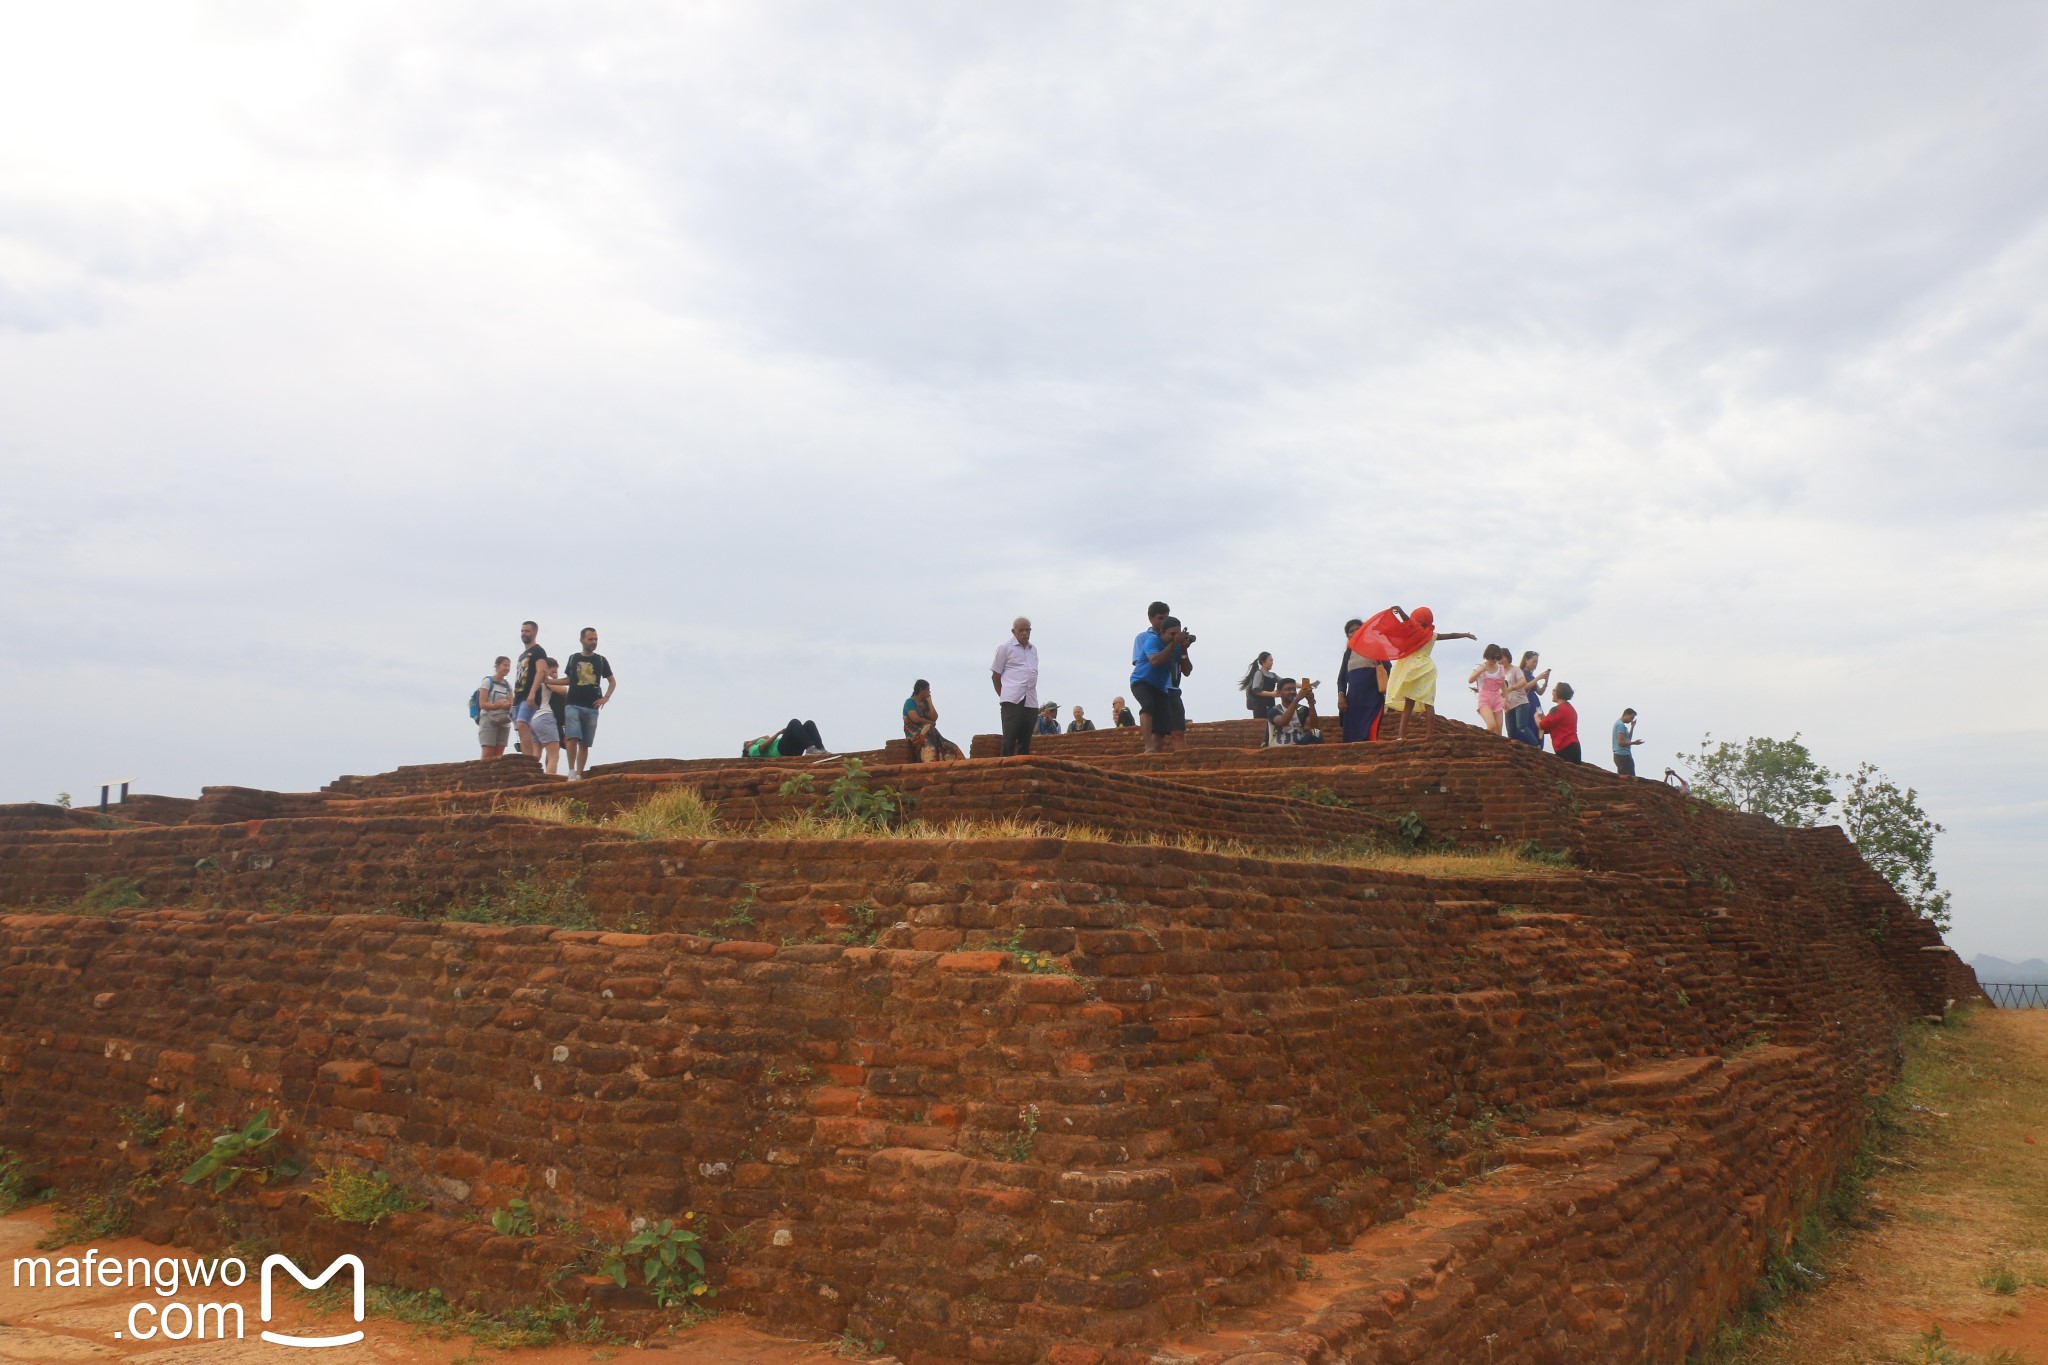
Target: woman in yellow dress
x,y
1407,638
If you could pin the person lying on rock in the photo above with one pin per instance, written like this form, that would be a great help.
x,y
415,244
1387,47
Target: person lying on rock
x,y
793,740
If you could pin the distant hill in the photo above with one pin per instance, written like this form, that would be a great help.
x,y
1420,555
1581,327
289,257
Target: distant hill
x,y
1991,968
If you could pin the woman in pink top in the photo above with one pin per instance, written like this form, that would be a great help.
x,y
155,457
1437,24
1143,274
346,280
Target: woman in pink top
x,y
1492,677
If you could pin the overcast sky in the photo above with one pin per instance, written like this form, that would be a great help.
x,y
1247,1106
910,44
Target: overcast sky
x,y
799,347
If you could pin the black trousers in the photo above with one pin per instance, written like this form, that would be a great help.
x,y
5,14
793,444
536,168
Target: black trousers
x,y
798,736
1625,764
1018,721
1569,753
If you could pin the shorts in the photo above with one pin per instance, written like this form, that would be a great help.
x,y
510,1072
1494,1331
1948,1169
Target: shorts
x,y
522,712
493,728
1163,708
545,731
1625,764
580,724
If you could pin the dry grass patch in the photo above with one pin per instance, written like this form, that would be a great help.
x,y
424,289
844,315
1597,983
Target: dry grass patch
x,y
812,825
544,811
681,813
1380,857
1452,863
671,813
1951,1262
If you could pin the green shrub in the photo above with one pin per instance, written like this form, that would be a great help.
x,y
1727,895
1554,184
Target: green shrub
x,y
110,893
1533,852
96,1215
234,1154
16,1184
514,1220
667,1261
555,901
1016,1145
850,798
144,1126
861,933
348,1195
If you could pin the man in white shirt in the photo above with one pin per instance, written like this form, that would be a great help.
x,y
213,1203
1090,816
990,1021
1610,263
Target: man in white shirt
x,y
1015,675
1296,720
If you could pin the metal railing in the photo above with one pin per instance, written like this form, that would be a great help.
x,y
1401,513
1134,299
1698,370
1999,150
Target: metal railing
x,y
2017,995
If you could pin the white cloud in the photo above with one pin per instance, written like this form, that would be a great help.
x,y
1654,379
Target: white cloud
x,y
800,347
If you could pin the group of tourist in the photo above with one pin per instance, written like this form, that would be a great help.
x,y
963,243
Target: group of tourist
x,y
551,707
1159,660
1387,668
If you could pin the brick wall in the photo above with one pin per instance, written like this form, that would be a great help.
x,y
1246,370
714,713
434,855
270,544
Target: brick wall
x,y
828,1049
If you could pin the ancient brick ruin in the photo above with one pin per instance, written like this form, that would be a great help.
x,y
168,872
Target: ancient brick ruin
x,y
1077,1099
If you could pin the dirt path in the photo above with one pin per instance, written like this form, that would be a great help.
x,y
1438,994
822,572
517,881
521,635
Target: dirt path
x,y
49,1324
1952,1267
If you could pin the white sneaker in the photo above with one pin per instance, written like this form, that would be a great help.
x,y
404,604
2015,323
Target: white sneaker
x,y
814,749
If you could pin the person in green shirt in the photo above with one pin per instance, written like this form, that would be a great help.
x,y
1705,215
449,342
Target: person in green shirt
x,y
793,740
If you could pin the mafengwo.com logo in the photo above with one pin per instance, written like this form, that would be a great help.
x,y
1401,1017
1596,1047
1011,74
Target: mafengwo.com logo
x,y
176,1281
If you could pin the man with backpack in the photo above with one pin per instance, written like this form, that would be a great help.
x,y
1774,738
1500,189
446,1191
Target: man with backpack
x,y
490,706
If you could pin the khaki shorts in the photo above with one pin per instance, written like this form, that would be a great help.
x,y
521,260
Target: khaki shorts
x,y
493,729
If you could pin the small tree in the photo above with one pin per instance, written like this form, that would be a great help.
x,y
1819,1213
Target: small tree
x,y
1773,777
1896,838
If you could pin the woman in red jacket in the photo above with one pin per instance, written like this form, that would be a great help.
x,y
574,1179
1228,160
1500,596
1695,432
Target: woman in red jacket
x,y
1561,723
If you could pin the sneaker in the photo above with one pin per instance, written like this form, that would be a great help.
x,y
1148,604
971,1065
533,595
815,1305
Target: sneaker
x,y
814,749
575,776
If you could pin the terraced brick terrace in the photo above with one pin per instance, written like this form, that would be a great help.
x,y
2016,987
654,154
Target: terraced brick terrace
x,y
1187,1063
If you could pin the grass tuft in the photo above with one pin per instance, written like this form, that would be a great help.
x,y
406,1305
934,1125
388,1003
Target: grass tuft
x,y
94,1216
556,901
430,1310
672,813
17,1185
348,1195
543,811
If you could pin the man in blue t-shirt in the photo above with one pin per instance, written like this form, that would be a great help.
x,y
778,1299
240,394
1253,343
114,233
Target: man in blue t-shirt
x,y
1159,659
1625,740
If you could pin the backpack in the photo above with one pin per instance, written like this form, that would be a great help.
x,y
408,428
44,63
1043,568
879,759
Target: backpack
x,y
476,711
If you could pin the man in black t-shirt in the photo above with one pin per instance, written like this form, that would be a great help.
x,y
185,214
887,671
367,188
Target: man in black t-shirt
x,y
579,725
530,654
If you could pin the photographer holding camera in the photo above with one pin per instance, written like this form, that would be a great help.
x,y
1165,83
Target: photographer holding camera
x,y
1296,720
1159,660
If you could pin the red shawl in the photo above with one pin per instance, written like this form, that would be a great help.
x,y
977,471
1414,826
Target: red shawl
x,y
1387,637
